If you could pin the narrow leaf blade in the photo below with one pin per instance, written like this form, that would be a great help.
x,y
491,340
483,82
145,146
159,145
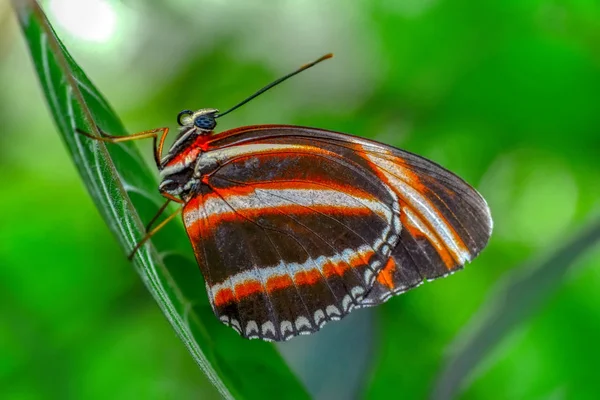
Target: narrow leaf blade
x,y
124,190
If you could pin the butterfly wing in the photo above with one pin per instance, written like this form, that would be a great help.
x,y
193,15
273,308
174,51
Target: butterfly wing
x,y
445,222
294,226
288,236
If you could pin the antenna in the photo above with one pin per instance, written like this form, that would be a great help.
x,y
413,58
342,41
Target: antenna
x,y
275,83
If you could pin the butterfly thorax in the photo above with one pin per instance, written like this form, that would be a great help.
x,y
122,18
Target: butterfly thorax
x,y
179,170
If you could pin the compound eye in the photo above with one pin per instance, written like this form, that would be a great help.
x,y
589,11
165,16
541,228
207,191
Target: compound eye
x,y
206,122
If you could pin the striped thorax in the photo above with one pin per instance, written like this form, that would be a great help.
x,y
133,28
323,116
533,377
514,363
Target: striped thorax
x,y
180,168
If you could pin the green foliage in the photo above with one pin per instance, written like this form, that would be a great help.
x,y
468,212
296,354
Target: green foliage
x,y
123,189
502,93
512,301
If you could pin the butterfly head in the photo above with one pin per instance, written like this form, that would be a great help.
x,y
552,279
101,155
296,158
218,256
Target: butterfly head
x,y
203,121
179,164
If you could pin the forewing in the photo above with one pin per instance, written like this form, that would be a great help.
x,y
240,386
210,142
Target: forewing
x,y
445,222
289,235
298,226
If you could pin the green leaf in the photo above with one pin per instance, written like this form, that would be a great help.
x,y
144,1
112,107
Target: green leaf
x,y
125,192
511,302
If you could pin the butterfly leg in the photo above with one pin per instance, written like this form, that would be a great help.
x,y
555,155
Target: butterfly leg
x,y
158,214
152,133
170,198
151,233
162,209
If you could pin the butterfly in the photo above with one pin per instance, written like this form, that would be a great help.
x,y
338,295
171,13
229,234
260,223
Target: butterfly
x,y
293,227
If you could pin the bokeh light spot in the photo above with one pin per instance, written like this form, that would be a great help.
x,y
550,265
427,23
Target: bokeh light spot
x,y
533,198
91,20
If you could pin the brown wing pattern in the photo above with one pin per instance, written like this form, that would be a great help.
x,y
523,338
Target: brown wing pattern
x,y
289,238
298,226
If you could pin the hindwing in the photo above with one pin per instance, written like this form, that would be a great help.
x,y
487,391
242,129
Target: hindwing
x,y
289,236
293,227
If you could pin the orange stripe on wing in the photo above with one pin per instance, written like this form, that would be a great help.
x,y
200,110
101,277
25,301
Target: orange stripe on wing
x,y
224,296
398,170
250,189
419,228
385,276
247,288
279,282
309,277
230,205
450,259
334,268
232,216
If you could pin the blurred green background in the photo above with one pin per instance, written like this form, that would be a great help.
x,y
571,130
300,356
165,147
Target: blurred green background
x,y
503,93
